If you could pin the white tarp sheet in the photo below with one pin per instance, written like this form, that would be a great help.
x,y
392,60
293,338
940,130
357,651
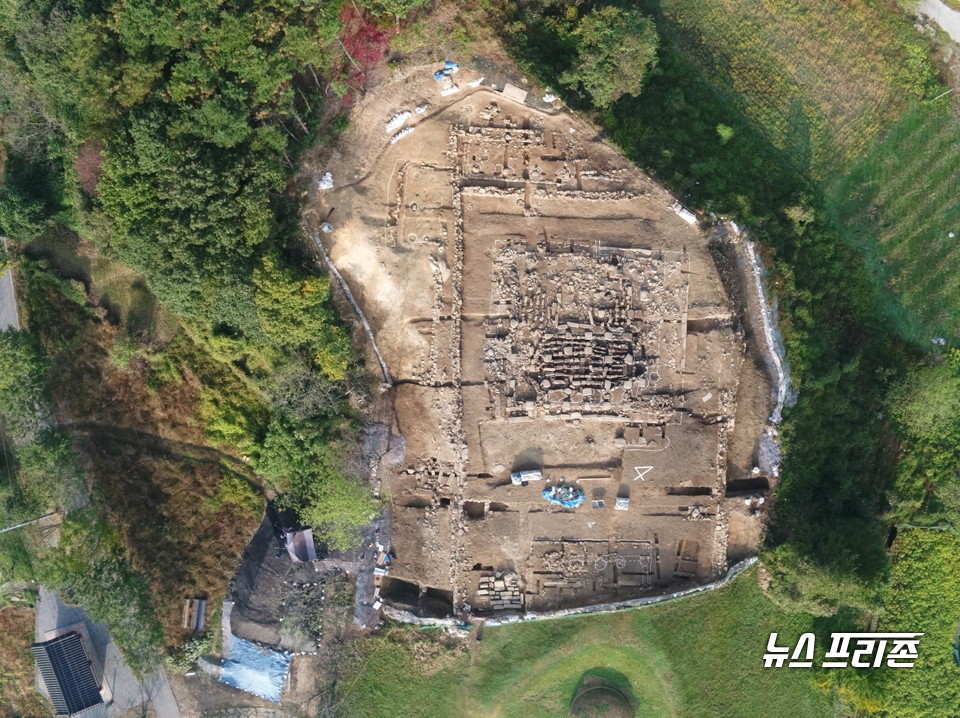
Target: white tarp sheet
x,y
256,670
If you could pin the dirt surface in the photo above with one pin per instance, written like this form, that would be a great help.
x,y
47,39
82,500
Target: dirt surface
x,y
292,605
541,305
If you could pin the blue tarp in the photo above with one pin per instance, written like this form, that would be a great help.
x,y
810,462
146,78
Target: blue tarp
x,y
449,68
256,670
567,496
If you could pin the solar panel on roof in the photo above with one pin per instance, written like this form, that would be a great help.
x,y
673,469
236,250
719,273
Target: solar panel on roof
x,y
66,673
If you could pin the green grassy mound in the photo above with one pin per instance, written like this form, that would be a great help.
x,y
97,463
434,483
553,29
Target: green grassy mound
x,y
701,656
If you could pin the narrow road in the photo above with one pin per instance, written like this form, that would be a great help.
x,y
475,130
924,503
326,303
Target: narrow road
x,y
148,441
9,317
942,14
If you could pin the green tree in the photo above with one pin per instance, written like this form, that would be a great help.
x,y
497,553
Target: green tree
x,y
616,48
27,199
186,214
294,310
339,507
310,470
396,9
292,307
301,395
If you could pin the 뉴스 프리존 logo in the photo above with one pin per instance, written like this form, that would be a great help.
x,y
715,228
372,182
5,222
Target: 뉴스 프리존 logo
x,y
857,650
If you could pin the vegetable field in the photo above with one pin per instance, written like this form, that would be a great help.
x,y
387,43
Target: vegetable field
x,y
900,203
847,92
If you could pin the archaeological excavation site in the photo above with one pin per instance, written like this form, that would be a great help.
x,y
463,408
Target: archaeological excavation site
x,y
569,365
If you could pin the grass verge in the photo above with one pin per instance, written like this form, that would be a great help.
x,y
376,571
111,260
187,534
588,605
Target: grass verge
x,y
696,657
17,694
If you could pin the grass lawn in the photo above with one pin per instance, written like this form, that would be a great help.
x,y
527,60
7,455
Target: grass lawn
x,y
696,657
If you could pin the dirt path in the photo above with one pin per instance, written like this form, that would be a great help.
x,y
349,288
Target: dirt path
x,y
161,445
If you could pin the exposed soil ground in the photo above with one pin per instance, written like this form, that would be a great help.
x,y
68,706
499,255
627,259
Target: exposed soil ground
x,y
541,306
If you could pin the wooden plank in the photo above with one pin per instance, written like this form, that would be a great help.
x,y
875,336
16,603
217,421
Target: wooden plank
x,y
187,613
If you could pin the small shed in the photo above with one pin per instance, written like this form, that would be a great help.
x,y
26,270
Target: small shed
x,y
67,674
300,545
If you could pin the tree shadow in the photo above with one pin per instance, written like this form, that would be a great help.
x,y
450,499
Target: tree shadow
x,y
613,685
61,249
798,144
528,459
141,315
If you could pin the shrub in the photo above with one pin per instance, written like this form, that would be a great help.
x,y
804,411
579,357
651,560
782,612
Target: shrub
x,y
47,470
23,367
237,491
123,351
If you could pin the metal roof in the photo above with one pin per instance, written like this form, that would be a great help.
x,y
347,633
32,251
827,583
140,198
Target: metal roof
x,y
66,672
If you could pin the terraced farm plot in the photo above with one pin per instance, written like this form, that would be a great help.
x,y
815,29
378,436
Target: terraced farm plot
x,y
900,204
836,87
820,79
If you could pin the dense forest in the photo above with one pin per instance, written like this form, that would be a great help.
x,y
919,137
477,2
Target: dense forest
x,y
161,138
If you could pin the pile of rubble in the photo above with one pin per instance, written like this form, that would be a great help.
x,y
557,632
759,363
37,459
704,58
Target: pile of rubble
x,y
502,591
579,333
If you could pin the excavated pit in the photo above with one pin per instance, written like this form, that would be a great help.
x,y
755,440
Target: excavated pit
x,y
542,306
